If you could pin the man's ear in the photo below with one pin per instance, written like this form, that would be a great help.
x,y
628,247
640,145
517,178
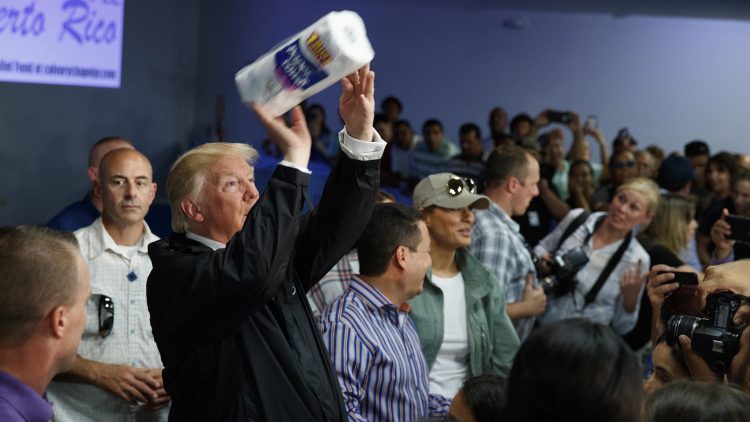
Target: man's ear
x,y
93,174
191,210
152,194
57,319
512,184
425,216
399,257
97,187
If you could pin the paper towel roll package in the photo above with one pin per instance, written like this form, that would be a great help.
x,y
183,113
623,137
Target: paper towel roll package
x,y
306,63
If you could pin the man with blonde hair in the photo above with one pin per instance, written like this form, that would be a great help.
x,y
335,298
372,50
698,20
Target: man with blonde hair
x,y
45,286
227,293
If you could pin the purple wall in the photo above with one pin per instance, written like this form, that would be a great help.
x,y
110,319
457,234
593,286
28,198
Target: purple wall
x,y
668,79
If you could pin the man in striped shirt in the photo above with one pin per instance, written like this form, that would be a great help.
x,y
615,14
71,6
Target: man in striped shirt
x,y
433,155
372,342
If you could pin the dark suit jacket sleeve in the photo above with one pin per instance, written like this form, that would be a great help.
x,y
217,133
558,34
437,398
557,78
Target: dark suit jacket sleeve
x,y
196,296
333,228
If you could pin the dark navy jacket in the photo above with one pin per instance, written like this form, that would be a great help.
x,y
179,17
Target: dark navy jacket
x,y
234,327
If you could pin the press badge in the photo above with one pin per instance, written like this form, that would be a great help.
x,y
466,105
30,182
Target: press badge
x,y
533,217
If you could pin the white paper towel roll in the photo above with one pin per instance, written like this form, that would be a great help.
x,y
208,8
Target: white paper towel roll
x,y
307,63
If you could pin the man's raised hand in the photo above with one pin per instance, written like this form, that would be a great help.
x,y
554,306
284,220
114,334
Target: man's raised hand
x,y
357,103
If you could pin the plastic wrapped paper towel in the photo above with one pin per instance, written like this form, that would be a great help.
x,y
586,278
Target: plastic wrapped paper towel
x,y
307,63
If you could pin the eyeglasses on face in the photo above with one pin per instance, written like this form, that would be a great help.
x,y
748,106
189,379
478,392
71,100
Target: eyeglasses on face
x,y
456,185
623,164
106,315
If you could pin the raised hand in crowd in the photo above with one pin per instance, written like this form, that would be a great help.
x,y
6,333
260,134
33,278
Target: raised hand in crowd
x,y
541,120
574,124
719,233
357,103
294,140
630,285
659,284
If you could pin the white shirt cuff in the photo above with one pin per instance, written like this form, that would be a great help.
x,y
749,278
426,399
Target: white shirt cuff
x,y
292,165
362,150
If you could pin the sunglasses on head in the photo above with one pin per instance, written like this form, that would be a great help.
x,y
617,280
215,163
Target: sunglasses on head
x,y
456,185
623,164
106,315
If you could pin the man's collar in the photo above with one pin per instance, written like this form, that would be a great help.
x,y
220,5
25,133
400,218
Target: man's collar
x,y
369,294
100,240
503,216
205,241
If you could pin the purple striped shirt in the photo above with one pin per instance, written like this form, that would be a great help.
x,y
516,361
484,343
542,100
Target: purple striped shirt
x,y
375,350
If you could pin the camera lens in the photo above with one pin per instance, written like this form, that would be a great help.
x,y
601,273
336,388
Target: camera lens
x,y
679,325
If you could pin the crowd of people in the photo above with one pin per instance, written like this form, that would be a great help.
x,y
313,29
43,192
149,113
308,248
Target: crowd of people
x,y
520,282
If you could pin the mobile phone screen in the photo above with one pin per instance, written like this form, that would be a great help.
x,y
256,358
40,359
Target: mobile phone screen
x,y
740,228
592,122
683,278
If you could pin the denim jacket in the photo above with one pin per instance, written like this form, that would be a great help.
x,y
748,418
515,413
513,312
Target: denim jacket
x,y
493,341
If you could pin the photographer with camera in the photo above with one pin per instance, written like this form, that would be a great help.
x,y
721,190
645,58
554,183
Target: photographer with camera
x,y
594,268
706,321
512,176
719,279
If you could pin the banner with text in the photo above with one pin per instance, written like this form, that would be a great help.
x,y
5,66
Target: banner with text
x,y
61,42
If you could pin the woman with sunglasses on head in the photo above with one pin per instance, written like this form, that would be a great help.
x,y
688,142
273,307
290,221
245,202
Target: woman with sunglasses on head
x,y
606,283
460,315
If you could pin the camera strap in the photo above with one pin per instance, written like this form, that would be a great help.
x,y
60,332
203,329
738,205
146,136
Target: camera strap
x,y
611,264
575,224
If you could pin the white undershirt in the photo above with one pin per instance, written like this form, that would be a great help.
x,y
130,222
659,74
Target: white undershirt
x,y
452,363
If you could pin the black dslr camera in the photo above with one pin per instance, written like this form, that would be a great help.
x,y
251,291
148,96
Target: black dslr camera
x,y
561,278
716,338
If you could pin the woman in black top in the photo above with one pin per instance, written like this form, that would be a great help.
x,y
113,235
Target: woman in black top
x,y
720,172
668,233
728,250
